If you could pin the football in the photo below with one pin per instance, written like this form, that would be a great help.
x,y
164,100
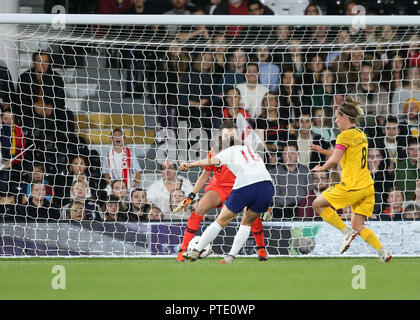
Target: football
x,y
205,252
304,245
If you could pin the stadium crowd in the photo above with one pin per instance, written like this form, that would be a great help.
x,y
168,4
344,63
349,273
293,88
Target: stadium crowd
x,y
286,85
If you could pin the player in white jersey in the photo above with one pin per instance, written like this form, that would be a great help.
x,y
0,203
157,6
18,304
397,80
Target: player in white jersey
x,y
253,189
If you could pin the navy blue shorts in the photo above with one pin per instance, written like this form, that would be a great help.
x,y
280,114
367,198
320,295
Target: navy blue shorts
x,y
257,197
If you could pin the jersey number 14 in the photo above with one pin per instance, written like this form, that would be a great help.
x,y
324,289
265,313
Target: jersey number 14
x,y
253,156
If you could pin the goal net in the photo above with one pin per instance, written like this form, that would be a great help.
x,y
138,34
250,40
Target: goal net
x,y
97,112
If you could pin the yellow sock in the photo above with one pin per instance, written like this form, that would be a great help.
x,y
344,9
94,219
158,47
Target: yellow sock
x,y
370,238
330,216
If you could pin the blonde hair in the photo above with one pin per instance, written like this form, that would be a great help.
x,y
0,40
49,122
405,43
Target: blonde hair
x,y
351,108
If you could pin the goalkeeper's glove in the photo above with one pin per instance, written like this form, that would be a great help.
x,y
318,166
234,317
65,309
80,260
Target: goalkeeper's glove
x,y
185,202
268,215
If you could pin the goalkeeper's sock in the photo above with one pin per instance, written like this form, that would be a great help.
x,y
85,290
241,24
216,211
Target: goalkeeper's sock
x,y
257,232
329,215
240,238
193,224
208,235
370,237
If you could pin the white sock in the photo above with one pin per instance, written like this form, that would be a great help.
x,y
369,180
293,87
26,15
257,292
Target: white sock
x,y
208,235
240,238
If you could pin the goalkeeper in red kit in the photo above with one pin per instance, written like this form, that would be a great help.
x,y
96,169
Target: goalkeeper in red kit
x,y
216,192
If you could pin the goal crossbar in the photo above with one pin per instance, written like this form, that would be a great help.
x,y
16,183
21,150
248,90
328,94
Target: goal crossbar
x,y
105,19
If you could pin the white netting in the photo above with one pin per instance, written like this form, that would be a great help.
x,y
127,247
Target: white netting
x,y
91,100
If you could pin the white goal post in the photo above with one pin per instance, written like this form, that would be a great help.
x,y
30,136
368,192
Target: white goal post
x,y
72,85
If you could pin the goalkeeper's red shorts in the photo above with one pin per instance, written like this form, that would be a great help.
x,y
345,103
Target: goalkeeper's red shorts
x,y
223,192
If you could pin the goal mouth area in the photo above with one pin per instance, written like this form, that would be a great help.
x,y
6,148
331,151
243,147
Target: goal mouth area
x,y
114,71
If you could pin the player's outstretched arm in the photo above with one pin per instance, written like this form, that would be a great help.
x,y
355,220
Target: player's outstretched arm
x,y
201,163
201,181
331,162
325,152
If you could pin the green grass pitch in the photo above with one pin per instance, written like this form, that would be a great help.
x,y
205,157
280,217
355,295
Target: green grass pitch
x,y
246,278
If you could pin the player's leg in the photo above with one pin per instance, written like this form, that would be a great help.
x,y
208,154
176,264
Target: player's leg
x,y
211,232
258,233
260,198
210,200
242,235
323,207
324,204
361,211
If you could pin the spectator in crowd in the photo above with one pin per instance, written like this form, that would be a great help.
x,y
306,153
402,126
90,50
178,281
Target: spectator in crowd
x,y
36,175
372,98
351,8
79,170
312,10
195,93
7,88
194,34
232,7
411,212
112,213
113,6
289,97
414,52
235,71
416,198
391,142
218,46
173,66
179,7
320,182
255,7
348,66
257,33
7,206
41,105
159,192
387,36
393,75
79,193
382,177
281,37
312,75
343,41
272,127
155,214
322,93
119,189
410,91
233,106
394,206
321,125
120,162
320,37
292,182
252,92
139,207
411,123
50,130
408,170
269,73
292,60
13,146
76,211
136,58
304,139
37,207
37,85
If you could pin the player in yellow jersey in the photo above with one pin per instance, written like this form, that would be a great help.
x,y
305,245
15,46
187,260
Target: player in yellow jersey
x,y
356,186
